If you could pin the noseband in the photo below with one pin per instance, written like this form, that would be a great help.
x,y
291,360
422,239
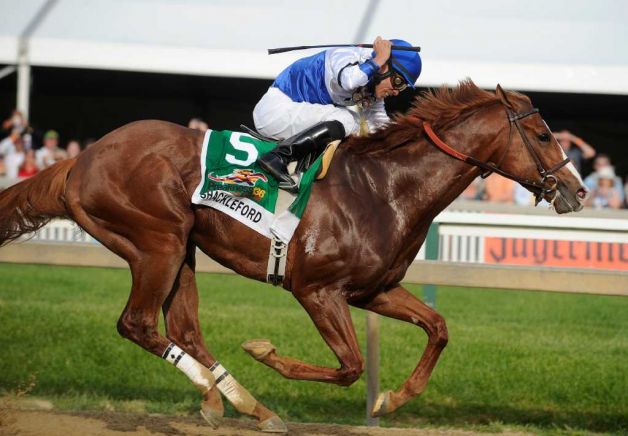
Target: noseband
x,y
548,183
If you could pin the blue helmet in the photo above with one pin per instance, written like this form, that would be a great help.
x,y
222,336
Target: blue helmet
x,y
406,63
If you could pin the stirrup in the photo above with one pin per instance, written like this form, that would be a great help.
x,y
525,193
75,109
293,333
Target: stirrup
x,y
292,188
282,175
256,134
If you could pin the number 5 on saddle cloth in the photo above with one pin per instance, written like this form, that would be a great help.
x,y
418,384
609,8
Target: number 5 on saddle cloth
x,y
233,182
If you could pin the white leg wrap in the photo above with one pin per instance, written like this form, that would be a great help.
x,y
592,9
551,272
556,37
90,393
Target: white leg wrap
x,y
241,399
199,374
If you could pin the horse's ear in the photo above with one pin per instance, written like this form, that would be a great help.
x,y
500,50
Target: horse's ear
x,y
503,97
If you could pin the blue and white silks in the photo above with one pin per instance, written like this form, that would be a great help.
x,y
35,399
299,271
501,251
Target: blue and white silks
x,y
328,77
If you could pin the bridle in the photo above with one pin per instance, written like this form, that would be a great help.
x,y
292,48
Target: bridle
x,y
545,187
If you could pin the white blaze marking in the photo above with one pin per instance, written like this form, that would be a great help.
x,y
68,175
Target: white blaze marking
x,y
571,167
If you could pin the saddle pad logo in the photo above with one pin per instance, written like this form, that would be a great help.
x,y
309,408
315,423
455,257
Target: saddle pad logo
x,y
240,176
240,181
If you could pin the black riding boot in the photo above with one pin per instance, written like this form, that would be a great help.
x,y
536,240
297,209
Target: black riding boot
x,y
310,141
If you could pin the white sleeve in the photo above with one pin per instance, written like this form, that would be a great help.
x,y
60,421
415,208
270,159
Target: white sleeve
x,y
376,115
345,67
5,147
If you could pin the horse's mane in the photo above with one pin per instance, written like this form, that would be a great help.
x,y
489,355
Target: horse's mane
x,y
441,107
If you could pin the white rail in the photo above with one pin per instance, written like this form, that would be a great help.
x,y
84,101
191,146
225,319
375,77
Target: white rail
x,y
463,234
61,231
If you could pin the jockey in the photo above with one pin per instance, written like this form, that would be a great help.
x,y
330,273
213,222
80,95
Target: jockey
x,y
307,105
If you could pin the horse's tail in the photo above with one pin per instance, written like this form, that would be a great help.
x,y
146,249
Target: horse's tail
x,y
30,204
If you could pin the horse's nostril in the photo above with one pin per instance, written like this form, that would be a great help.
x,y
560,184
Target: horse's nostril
x,y
582,192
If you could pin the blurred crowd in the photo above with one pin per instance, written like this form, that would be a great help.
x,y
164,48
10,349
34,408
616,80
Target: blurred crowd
x,y
606,189
25,151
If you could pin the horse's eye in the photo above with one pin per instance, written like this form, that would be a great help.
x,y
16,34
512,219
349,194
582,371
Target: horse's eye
x,y
544,137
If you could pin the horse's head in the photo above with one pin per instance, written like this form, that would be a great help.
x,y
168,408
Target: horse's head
x,y
536,158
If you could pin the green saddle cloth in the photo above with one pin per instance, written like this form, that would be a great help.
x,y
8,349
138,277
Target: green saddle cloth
x,y
233,182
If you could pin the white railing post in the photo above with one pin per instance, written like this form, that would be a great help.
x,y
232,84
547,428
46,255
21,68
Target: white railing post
x,y
372,365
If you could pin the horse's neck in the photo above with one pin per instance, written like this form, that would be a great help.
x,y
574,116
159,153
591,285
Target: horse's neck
x,y
421,181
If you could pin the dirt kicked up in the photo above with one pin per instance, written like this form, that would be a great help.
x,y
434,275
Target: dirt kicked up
x,y
53,423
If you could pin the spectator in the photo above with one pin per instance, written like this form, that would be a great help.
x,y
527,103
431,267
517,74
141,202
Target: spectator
x,y
523,197
581,151
50,152
29,167
198,124
591,181
73,148
9,144
11,153
15,121
499,189
27,140
605,194
474,191
14,159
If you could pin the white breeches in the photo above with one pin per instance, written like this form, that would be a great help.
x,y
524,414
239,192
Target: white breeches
x,y
277,116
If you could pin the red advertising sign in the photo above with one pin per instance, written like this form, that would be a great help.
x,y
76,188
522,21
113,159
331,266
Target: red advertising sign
x,y
580,254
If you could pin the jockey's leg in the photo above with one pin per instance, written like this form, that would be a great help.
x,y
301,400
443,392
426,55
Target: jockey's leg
x,y
277,116
310,141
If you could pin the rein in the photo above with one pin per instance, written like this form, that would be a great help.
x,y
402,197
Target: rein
x,y
539,189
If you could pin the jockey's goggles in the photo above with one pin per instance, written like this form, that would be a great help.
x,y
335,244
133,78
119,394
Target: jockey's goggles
x,y
398,82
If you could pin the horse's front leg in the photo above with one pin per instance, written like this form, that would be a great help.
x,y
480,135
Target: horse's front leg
x,y
400,304
329,311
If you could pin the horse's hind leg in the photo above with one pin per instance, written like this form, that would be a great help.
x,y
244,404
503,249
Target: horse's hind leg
x,y
150,231
182,328
400,304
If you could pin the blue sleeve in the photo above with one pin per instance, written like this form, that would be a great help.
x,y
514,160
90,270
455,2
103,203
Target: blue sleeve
x,y
369,68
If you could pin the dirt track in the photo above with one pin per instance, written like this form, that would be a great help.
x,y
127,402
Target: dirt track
x,y
52,423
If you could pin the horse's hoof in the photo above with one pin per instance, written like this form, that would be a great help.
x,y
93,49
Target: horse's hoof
x,y
258,348
213,417
382,405
274,424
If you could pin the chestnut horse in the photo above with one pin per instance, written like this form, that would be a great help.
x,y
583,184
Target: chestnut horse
x,y
365,224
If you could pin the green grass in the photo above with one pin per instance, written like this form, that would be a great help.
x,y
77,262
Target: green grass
x,y
536,361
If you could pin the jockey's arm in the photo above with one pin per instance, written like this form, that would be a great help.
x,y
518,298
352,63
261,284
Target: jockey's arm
x,y
382,49
350,71
377,116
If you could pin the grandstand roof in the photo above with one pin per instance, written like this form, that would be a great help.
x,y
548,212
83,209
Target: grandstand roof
x,y
533,45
